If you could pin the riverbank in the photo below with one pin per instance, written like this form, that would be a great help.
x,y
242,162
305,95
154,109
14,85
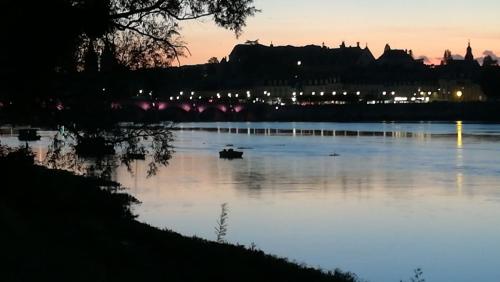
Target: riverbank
x,y
60,227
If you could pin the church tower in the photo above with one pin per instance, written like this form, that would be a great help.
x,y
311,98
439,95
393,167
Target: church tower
x,y
469,56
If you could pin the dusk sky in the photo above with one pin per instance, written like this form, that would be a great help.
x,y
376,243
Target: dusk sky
x,y
426,26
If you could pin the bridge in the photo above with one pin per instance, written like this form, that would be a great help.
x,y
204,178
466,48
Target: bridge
x,y
197,107
183,110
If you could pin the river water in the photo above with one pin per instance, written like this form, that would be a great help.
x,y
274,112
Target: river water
x,y
397,196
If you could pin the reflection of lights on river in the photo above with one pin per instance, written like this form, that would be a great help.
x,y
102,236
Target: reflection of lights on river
x,y
459,135
460,162
460,182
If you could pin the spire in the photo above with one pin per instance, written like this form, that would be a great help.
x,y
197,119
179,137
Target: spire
x,y
387,48
469,56
447,57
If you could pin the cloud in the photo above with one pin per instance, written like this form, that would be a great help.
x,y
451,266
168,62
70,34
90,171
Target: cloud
x,y
491,54
425,59
488,53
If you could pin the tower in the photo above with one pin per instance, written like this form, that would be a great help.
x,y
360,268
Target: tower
x,y
469,56
447,57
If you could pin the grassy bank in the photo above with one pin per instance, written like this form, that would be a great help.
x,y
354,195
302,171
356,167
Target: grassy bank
x,y
60,227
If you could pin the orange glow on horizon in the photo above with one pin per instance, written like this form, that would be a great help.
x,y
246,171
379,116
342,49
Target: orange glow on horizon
x,y
426,27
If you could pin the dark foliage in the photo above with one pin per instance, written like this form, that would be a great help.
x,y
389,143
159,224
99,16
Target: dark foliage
x,y
44,36
90,150
221,228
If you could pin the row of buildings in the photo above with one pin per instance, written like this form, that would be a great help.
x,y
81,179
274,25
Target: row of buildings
x,y
319,74
256,73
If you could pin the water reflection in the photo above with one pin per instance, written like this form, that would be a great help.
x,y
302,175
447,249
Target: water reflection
x,y
308,132
460,164
383,207
459,135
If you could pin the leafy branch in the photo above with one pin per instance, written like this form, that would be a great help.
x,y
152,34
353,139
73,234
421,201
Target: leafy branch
x,y
221,228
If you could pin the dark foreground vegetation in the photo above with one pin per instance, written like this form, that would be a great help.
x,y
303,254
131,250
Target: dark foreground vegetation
x,y
60,227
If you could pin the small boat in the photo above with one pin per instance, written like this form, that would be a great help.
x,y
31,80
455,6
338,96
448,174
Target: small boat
x,y
230,154
334,155
28,134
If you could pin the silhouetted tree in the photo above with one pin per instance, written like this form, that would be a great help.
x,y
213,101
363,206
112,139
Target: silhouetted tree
x,y
41,37
447,57
91,59
489,61
109,60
